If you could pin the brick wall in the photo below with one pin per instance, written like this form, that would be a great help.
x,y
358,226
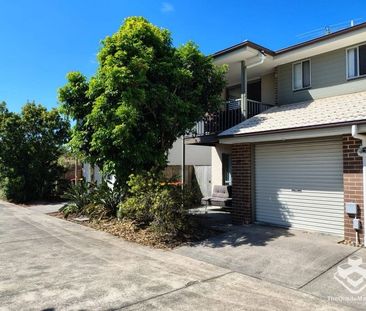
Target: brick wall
x,y
242,183
352,180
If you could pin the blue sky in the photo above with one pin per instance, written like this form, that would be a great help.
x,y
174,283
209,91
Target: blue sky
x,y
43,40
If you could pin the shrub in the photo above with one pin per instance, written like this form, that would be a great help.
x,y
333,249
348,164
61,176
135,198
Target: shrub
x,y
95,211
31,144
170,215
108,196
137,207
93,201
13,188
79,196
154,203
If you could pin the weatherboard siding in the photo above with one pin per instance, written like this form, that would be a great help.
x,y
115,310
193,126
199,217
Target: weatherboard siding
x,y
328,78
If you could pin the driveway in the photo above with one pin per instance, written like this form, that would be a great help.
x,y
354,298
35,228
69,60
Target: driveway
x,y
288,257
51,264
295,259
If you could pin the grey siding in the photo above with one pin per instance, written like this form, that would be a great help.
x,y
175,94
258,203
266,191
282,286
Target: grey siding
x,y
268,88
328,78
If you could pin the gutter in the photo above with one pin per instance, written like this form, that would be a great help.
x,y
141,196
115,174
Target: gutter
x,y
362,153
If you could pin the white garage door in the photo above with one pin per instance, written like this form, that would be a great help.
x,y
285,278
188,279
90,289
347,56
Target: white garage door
x,y
300,184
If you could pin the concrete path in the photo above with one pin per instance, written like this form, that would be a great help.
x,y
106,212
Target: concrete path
x,y
46,208
51,264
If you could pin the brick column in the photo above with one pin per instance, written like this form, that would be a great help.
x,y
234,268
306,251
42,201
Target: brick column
x,y
353,185
242,162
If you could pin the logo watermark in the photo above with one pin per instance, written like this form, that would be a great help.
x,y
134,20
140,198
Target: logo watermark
x,y
352,275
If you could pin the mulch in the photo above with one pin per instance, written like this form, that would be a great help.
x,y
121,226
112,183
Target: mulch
x,y
130,231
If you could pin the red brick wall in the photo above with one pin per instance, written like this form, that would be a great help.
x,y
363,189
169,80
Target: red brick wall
x,y
242,162
352,180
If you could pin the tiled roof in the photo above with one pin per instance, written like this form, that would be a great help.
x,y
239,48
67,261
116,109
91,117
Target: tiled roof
x,y
312,113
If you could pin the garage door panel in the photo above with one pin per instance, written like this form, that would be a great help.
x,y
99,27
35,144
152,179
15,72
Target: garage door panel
x,y
320,227
301,223
300,217
308,214
325,210
305,196
300,184
306,187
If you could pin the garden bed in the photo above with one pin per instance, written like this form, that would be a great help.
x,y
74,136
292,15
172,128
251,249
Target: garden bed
x,y
129,231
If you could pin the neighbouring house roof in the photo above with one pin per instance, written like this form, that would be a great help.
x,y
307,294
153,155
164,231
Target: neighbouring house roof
x,y
290,48
318,113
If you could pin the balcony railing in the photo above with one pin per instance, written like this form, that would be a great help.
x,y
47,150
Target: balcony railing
x,y
230,115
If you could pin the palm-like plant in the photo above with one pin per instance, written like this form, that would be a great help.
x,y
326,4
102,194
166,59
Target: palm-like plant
x,y
109,196
79,196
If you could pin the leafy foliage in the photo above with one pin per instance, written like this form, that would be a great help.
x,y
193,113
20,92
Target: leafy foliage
x,y
79,196
31,143
93,201
145,94
109,197
155,203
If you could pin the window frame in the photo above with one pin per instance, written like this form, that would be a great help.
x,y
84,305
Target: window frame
x,y
293,75
357,47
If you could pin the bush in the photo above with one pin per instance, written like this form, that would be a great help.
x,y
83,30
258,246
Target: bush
x,y
155,203
31,143
170,215
108,196
79,196
12,188
93,201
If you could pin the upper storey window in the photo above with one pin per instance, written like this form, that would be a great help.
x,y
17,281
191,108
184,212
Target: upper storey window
x,y
356,61
301,75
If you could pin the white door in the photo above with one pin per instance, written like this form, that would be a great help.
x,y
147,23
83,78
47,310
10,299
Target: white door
x,y
300,184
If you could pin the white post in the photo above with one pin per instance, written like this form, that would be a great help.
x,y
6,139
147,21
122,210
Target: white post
x,y
183,162
76,170
243,87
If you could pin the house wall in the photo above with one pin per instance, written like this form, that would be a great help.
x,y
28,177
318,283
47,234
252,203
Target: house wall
x,y
268,89
194,174
216,174
88,172
328,78
195,155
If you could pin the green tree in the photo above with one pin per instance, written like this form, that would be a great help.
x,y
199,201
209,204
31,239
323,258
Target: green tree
x,y
144,95
31,143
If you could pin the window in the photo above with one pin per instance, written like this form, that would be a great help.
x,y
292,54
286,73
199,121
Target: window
x,y
301,75
356,61
226,169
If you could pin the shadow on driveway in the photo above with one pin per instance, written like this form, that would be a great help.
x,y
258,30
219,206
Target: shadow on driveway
x,y
288,257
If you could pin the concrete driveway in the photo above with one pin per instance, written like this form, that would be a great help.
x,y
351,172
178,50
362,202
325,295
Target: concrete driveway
x,y
51,264
288,257
294,259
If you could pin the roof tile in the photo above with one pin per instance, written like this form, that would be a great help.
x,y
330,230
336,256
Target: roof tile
x,y
312,113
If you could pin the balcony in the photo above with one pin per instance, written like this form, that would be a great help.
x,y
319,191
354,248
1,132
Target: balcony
x,y
232,113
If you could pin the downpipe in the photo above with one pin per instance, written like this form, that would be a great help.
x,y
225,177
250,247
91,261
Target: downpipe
x,y
262,57
362,137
